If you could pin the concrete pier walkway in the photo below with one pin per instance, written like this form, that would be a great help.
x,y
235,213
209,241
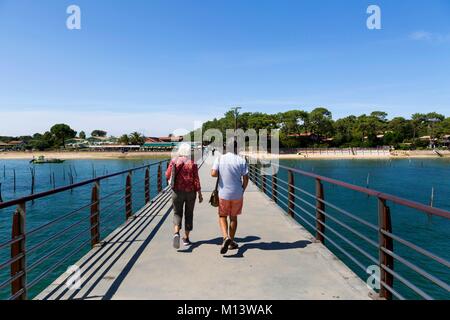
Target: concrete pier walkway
x,y
277,258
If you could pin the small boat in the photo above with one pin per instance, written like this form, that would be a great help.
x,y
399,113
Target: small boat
x,y
42,160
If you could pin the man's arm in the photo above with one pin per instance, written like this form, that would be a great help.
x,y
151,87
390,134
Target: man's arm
x,y
215,169
244,182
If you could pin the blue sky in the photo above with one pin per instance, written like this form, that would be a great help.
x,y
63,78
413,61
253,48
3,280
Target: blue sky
x,y
158,65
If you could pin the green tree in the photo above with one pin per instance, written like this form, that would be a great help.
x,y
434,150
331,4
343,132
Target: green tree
x,y
99,133
320,122
294,121
82,135
136,138
62,132
124,139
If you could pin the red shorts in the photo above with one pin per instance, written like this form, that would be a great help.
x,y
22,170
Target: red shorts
x,y
231,208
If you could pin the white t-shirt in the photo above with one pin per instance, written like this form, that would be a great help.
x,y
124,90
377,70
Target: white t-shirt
x,y
231,169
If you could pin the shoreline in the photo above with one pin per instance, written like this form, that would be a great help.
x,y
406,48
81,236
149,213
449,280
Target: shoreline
x,y
420,154
100,155
70,155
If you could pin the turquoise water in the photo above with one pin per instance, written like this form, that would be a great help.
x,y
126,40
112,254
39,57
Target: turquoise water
x,y
49,208
411,179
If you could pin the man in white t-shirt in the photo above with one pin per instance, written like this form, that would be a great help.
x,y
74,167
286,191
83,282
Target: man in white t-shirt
x,y
232,172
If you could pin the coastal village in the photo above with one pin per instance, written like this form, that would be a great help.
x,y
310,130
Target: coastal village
x,y
106,144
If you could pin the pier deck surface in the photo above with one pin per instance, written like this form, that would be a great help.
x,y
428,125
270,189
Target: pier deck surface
x,y
277,258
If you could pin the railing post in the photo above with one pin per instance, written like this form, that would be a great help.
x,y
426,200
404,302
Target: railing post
x,y
263,182
386,242
159,178
128,199
320,208
291,192
274,186
18,249
95,214
147,186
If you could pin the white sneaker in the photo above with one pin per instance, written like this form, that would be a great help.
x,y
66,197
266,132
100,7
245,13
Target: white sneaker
x,y
176,241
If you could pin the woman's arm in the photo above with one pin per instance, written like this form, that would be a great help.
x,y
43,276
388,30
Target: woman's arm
x,y
197,185
169,170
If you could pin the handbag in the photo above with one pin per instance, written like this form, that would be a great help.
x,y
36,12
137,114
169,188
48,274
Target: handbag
x,y
214,200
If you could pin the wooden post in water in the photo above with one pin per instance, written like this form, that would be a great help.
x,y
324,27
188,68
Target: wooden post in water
x,y
1,199
33,172
128,199
95,214
291,193
320,208
18,253
14,180
147,186
432,197
385,244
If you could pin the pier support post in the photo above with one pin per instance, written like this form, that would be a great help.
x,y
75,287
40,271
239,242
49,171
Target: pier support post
x,y
274,185
385,243
320,208
147,186
291,192
159,178
95,214
128,199
18,267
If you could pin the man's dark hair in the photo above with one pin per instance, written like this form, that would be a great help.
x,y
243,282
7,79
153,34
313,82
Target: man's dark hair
x,y
232,145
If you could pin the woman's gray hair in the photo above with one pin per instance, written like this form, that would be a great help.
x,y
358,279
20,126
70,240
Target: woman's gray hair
x,y
184,150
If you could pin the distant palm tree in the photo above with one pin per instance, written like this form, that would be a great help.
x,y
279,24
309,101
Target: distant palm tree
x,y
124,139
136,138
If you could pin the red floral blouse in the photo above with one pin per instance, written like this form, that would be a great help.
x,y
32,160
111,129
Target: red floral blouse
x,y
187,179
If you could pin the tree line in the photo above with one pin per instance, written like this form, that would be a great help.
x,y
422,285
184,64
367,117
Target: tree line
x,y
59,134
299,128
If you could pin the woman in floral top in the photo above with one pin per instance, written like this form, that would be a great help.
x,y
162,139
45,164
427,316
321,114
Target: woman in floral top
x,y
186,186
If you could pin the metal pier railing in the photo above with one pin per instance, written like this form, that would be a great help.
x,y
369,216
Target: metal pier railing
x,y
45,249
312,209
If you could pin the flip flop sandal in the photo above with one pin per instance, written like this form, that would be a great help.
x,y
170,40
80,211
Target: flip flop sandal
x,y
233,246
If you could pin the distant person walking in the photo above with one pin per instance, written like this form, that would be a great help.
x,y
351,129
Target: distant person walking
x,y
232,172
185,183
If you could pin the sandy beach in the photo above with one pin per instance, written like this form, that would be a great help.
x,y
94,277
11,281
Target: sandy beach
x,y
82,155
336,156
324,155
